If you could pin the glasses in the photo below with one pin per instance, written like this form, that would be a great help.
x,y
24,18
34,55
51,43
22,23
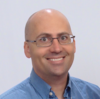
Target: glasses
x,y
46,40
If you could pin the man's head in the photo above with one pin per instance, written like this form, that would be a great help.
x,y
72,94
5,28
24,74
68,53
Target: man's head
x,y
53,60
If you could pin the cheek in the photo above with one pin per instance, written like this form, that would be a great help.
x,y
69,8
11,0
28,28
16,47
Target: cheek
x,y
38,59
38,53
70,49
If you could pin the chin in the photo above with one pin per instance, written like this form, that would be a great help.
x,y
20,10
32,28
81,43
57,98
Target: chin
x,y
59,73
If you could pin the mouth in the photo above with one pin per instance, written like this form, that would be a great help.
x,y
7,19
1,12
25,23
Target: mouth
x,y
57,60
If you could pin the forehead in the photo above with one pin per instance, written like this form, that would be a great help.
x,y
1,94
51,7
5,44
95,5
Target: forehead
x,y
50,35
52,25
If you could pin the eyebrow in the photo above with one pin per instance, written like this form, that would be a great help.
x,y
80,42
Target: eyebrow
x,y
49,34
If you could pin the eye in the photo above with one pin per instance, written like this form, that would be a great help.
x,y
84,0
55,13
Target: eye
x,y
64,37
44,39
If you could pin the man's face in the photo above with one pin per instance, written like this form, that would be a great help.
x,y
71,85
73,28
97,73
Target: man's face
x,y
56,59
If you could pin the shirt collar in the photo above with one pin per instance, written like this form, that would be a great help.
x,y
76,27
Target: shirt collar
x,y
69,81
67,92
40,85
43,88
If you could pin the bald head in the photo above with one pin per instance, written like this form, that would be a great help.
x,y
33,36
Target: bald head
x,y
42,18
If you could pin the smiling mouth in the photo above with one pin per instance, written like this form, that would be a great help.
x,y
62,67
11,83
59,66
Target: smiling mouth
x,y
56,59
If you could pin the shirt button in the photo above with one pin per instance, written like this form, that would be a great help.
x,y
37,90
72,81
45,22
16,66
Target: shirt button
x,y
50,93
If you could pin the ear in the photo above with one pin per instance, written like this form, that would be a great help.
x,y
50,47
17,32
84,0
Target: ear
x,y
74,46
27,50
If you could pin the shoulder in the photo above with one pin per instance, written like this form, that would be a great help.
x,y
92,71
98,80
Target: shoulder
x,y
85,87
78,81
17,92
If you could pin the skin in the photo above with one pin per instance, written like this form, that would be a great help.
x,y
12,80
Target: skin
x,y
55,73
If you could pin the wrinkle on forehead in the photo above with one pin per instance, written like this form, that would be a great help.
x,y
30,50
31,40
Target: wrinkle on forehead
x,y
43,16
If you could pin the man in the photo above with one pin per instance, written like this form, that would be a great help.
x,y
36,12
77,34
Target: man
x,y
50,44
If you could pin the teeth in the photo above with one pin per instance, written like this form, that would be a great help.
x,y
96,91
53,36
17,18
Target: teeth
x,y
56,59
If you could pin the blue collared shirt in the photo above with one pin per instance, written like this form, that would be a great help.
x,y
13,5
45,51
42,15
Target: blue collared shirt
x,y
35,88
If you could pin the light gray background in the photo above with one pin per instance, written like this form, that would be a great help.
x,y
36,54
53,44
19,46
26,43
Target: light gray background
x,y
84,17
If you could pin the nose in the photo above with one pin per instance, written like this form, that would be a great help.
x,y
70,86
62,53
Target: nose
x,y
56,47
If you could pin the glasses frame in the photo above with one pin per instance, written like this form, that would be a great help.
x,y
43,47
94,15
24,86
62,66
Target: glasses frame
x,y
32,41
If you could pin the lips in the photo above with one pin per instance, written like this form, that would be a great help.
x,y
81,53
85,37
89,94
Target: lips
x,y
56,61
56,58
